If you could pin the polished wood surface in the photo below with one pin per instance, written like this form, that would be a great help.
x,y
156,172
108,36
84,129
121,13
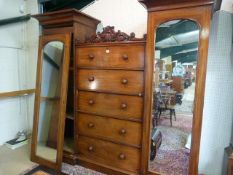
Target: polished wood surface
x,y
111,57
114,155
125,132
65,18
114,81
17,93
202,15
121,106
65,39
109,102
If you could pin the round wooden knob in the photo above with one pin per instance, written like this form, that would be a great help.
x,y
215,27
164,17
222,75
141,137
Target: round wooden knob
x,y
91,56
123,106
122,156
91,78
122,131
124,81
90,148
91,125
91,102
125,57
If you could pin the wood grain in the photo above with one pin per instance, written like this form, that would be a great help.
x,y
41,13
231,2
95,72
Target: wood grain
x,y
119,130
123,157
123,82
122,56
110,104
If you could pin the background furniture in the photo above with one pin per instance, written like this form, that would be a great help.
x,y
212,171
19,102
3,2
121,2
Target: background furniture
x,y
168,102
178,84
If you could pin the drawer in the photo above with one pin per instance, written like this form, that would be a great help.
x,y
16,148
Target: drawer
x,y
122,106
117,130
127,57
115,81
110,154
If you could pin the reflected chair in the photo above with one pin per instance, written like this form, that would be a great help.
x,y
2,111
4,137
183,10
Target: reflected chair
x,y
167,102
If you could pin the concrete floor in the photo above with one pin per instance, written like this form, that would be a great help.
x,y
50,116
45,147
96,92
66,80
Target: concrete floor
x,y
14,162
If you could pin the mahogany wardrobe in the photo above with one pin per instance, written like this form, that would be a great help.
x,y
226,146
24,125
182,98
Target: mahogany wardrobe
x,y
94,103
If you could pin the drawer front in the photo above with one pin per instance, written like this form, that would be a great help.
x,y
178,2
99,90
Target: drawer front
x,y
115,81
110,105
117,130
107,153
127,57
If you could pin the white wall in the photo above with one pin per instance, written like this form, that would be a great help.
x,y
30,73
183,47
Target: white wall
x,y
13,76
218,105
126,15
32,43
227,5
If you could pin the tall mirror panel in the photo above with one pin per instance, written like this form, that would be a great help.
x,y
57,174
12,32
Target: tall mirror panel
x,y
174,76
49,99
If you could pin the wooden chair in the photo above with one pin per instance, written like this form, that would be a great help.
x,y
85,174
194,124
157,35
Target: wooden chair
x,y
168,102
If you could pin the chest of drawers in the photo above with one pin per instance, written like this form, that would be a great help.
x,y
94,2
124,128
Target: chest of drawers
x,y
109,104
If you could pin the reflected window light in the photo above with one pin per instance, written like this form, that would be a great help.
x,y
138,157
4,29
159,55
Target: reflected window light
x,y
204,33
93,85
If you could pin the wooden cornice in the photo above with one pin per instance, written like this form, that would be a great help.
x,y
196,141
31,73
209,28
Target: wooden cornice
x,y
157,5
65,18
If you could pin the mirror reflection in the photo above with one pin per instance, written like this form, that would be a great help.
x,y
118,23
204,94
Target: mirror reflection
x,y
175,64
49,100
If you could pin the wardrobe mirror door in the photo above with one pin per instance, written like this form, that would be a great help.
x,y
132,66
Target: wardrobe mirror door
x,y
50,98
174,75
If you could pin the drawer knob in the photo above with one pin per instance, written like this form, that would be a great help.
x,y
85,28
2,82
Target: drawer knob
x,y
90,148
91,125
123,106
122,131
91,56
91,78
91,102
124,81
122,156
125,57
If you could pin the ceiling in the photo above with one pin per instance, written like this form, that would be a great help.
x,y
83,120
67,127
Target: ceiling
x,y
53,5
178,39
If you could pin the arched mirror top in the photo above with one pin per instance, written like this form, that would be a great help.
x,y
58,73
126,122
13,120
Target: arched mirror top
x,y
187,23
176,27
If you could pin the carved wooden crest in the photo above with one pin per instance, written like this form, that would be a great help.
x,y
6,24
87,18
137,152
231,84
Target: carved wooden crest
x,y
109,35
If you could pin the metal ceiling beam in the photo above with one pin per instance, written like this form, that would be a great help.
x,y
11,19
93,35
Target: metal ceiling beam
x,y
175,29
185,57
54,5
173,50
